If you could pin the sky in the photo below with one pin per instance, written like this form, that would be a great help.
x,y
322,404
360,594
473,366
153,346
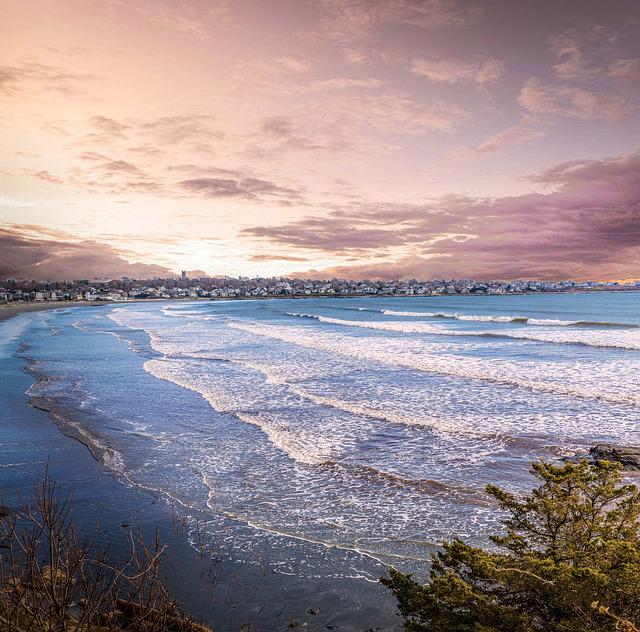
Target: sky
x,y
485,139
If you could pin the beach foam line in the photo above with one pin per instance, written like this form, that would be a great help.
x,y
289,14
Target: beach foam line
x,y
493,440
103,453
381,557
424,486
455,316
629,340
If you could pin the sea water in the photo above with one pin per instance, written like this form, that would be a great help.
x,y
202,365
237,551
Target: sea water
x,y
330,436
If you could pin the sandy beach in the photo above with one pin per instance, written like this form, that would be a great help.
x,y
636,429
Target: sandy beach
x,y
7,310
13,309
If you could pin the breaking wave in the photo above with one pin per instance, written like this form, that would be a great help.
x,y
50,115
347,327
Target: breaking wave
x,y
629,340
524,320
496,372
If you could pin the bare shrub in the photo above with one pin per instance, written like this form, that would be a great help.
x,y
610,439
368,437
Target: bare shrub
x,y
53,580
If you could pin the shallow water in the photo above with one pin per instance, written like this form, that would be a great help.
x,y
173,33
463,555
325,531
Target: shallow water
x,y
328,437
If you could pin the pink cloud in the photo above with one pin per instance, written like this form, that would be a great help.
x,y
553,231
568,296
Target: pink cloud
x,y
581,52
42,255
479,71
626,70
589,226
540,98
31,77
523,131
350,20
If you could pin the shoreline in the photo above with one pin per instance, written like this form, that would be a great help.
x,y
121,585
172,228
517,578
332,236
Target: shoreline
x,y
8,310
211,585
250,586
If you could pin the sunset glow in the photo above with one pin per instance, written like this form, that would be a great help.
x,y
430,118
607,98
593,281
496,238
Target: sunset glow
x,y
356,138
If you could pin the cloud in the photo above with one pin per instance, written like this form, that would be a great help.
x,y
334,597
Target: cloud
x,y
55,127
625,70
401,114
352,20
174,130
246,188
330,235
113,175
32,77
390,112
568,101
521,132
108,126
342,83
356,56
188,18
593,53
155,138
99,172
32,252
200,171
279,135
480,71
588,226
267,258
47,177
347,121
581,51
269,75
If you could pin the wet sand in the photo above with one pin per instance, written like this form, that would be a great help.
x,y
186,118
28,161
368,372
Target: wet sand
x,y
13,309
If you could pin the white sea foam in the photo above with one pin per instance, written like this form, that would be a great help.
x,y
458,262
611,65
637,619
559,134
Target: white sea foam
x,y
616,339
497,319
388,326
224,402
11,331
535,376
337,437
523,320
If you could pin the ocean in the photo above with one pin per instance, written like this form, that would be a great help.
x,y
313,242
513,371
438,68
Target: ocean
x,y
331,437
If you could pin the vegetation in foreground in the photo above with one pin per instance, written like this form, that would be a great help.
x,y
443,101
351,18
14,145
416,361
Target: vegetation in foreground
x,y
51,580
569,561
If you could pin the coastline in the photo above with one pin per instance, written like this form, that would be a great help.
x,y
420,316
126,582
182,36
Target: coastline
x,y
225,593
251,587
8,310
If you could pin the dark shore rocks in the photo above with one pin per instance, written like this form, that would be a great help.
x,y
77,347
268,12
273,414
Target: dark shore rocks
x,y
628,456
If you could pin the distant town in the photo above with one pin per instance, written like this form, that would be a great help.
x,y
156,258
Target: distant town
x,y
14,290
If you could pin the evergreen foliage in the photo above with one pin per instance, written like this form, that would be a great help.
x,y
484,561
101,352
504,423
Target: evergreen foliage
x,y
569,561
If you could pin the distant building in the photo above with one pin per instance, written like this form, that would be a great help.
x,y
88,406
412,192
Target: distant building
x,y
184,275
